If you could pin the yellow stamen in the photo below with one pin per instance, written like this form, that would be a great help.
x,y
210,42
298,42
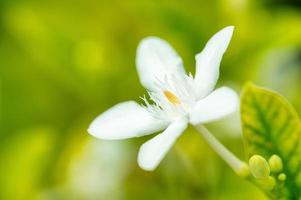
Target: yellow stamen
x,y
171,97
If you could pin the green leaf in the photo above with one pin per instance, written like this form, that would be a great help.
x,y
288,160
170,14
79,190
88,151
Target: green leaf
x,y
272,126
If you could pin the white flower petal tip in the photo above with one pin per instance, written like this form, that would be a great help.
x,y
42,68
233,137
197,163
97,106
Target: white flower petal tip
x,y
125,120
155,59
153,151
220,40
226,33
208,61
220,103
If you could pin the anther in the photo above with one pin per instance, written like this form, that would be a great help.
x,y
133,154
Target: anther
x,y
171,97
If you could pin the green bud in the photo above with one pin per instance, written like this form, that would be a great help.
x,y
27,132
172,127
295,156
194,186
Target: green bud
x,y
282,177
259,167
267,183
243,171
275,163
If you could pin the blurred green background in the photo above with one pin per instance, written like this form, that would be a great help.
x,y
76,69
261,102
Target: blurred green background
x,y
63,62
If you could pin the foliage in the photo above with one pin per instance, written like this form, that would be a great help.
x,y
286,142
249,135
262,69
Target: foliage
x,y
271,126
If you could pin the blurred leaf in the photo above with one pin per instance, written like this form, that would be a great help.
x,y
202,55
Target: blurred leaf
x,y
272,126
24,160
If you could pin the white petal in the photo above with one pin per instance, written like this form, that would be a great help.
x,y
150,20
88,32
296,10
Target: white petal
x,y
218,104
156,59
208,61
153,151
125,120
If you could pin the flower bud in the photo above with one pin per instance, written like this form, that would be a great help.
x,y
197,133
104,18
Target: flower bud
x,y
275,163
259,167
267,183
282,177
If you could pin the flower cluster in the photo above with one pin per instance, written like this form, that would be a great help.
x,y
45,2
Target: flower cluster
x,y
267,173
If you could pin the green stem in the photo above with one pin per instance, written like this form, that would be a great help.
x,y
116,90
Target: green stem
x,y
240,167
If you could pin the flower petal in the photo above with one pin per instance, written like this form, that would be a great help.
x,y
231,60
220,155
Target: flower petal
x,y
218,104
125,120
153,151
208,61
155,60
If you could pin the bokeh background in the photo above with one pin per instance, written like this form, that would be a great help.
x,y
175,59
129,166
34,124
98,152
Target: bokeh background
x,y
65,61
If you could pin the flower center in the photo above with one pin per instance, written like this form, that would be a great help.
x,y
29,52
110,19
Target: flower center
x,y
171,97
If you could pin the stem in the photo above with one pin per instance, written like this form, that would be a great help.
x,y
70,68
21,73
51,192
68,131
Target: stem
x,y
240,167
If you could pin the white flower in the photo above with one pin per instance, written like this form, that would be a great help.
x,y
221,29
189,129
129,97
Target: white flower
x,y
177,98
